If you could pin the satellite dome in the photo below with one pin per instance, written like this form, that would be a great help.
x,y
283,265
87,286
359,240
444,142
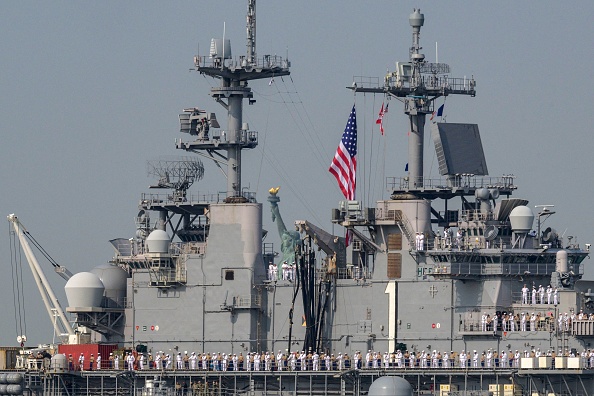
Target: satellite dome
x,y
59,362
416,19
158,242
390,386
84,289
521,219
114,279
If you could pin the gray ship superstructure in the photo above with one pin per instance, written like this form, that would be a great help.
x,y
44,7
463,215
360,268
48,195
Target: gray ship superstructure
x,y
422,276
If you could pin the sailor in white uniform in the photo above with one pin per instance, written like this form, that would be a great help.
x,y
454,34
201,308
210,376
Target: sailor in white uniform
x,y
503,362
285,269
279,360
270,266
274,271
549,294
316,361
484,322
463,360
130,359
193,359
524,295
302,361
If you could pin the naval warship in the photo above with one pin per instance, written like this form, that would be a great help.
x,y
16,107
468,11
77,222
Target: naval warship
x,y
446,286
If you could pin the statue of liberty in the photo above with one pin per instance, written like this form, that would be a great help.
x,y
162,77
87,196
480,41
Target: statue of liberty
x,y
288,238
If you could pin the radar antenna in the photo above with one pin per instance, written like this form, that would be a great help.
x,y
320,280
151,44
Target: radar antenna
x,y
176,174
417,83
234,75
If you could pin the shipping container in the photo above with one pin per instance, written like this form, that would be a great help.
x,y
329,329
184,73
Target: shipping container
x,y
8,357
87,350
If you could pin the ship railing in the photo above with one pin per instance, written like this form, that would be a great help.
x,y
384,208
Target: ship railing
x,y
456,181
192,248
517,299
245,137
582,327
542,323
479,269
475,215
383,213
367,82
433,82
352,272
168,199
37,364
467,243
265,61
246,301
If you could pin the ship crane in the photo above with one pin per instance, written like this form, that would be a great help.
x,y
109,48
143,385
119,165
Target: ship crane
x,y
52,305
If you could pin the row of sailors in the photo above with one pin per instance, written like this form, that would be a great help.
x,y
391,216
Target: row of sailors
x,y
288,271
538,295
95,362
300,361
464,359
520,322
266,361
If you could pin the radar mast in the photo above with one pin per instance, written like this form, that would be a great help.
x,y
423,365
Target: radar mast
x,y
233,89
417,84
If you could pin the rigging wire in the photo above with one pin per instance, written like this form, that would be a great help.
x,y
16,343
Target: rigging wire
x,y
365,178
41,249
18,290
263,146
304,124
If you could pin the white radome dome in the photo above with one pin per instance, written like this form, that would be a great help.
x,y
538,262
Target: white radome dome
x,y
84,289
158,242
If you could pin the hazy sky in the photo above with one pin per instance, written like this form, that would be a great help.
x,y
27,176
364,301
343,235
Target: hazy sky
x,y
92,90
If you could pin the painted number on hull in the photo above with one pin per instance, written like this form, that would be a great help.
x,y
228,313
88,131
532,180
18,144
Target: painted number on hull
x,y
391,292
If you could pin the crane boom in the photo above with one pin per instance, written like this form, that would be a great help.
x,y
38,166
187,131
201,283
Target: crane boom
x,y
47,294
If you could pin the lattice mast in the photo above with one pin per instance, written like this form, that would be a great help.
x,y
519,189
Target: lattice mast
x,y
417,84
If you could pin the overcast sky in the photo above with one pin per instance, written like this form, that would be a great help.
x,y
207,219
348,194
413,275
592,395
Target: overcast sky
x,y
92,90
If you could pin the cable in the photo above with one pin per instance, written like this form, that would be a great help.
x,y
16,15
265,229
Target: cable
x,y
18,290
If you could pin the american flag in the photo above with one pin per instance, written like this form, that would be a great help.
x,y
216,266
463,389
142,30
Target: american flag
x,y
344,163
